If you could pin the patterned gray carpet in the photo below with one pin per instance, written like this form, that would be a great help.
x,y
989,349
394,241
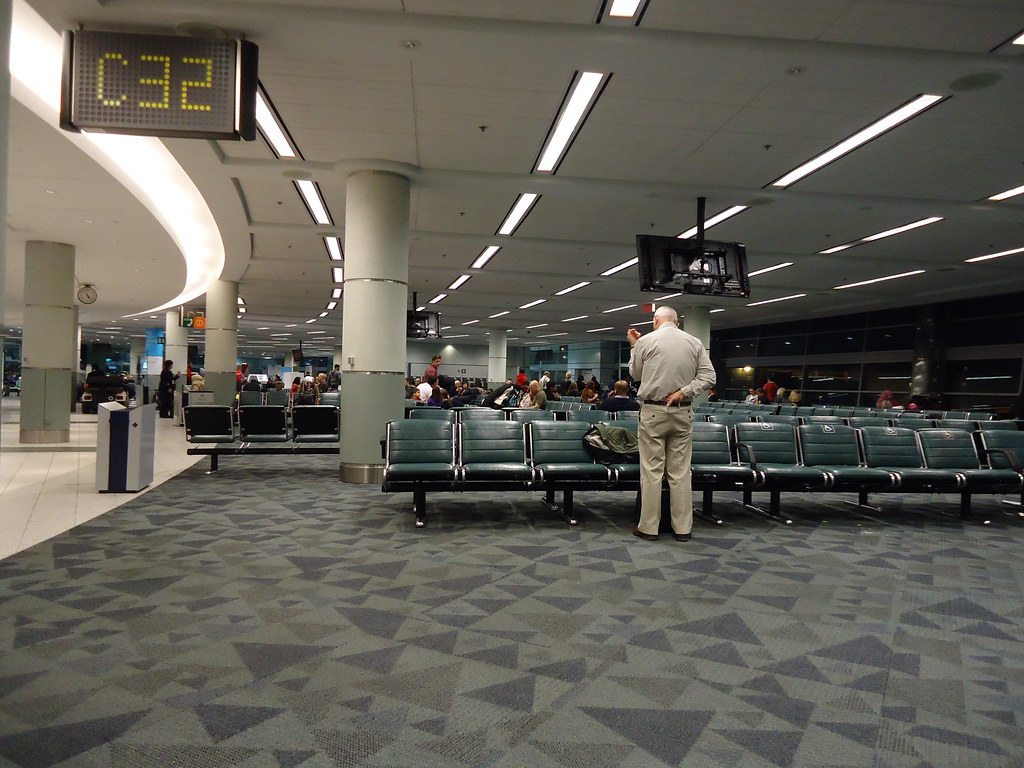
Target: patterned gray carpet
x,y
272,617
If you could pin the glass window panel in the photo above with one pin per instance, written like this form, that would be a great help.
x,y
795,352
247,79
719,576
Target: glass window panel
x,y
879,377
1004,330
983,376
894,337
781,345
832,377
830,343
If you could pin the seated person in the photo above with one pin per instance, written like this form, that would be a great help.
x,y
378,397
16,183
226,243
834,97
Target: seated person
x,y
588,395
198,383
619,400
537,397
252,385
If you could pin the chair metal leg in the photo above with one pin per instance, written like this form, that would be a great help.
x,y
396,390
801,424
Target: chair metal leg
x,y
567,513
419,507
772,513
707,511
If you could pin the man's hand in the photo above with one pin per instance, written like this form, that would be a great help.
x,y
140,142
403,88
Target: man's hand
x,y
675,397
632,335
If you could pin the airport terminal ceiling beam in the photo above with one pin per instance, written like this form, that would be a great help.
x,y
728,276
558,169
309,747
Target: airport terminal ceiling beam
x,y
621,47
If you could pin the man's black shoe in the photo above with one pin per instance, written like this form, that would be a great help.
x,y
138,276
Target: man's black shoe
x,y
682,536
645,536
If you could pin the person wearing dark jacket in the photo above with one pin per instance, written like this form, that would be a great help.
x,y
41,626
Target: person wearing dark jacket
x,y
619,400
165,390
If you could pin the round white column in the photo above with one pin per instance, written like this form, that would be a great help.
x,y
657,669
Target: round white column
x,y
176,350
47,367
696,321
497,358
221,361
373,326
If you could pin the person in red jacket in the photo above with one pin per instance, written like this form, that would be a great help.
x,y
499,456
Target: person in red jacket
x,y
770,390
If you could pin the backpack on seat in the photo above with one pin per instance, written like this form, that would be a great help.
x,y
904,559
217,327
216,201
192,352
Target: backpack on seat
x,y
612,445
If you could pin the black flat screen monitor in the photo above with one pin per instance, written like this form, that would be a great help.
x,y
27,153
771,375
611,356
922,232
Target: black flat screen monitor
x,y
673,265
423,325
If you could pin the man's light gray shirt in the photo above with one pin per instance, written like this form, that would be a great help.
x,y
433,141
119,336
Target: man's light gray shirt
x,y
669,359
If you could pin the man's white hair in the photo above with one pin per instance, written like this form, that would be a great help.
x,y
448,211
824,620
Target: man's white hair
x,y
667,313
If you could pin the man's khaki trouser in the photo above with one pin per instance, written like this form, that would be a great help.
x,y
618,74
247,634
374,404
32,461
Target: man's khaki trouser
x,y
664,434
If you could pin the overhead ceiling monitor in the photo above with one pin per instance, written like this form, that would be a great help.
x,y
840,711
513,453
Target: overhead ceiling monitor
x,y
423,325
159,85
697,267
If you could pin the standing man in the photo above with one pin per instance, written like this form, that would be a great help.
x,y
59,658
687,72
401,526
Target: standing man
x,y
672,367
432,368
334,379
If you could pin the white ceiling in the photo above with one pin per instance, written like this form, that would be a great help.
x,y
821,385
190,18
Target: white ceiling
x,y
713,98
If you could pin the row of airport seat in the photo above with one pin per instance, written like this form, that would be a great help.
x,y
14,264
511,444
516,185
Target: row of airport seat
x,y
591,416
750,457
845,411
858,421
282,397
265,429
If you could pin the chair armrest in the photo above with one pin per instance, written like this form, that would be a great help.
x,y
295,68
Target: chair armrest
x,y
1010,455
751,458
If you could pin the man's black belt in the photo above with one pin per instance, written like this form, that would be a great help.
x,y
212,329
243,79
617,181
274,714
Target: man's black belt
x,y
679,404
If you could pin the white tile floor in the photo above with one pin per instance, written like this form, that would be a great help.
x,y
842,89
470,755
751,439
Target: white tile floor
x,y
50,488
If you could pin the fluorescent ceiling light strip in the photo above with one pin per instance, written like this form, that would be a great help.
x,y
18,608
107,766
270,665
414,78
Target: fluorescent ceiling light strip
x,y
772,301
459,282
518,212
311,321
485,255
421,308
1019,40
271,130
1008,194
863,136
338,273
616,309
336,293
311,194
578,317
499,314
532,303
142,164
783,265
620,267
994,255
718,218
549,335
538,325
331,305
839,248
322,314
333,248
569,120
437,298
624,8
877,280
711,312
470,322
904,228
571,288
457,336
609,328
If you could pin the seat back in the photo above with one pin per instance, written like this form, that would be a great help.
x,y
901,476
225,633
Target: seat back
x,y
524,415
431,414
483,442
914,423
829,444
1003,440
823,419
209,424
965,424
948,449
250,397
867,421
804,410
557,442
911,414
779,418
711,444
955,415
263,423
980,415
590,417
787,409
330,398
627,415
278,397
823,410
480,414
316,423
558,405
729,419
414,441
991,426
771,443
890,447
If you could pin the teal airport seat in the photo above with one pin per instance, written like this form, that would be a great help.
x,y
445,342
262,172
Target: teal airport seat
x,y
834,448
432,414
316,424
209,424
492,455
480,414
419,457
556,453
954,450
263,423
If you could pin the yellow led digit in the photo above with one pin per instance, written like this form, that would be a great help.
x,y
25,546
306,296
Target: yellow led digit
x,y
101,80
207,83
164,82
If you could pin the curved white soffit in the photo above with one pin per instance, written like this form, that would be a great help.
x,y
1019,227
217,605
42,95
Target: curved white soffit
x,y
142,164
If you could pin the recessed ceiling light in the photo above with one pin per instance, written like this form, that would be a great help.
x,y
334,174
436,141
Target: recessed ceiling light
x,y
459,282
571,288
550,335
310,193
624,265
765,270
533,303
499,314
538,325
718,218
617,309
595,330
624,8
336,293
331,305
876,129
470,322
338,274
273,132
883,234
578,317
437,298
485,255
333,248
781,298
421,308
312,320
584,93
1008,194
995,255
518,212
878,280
